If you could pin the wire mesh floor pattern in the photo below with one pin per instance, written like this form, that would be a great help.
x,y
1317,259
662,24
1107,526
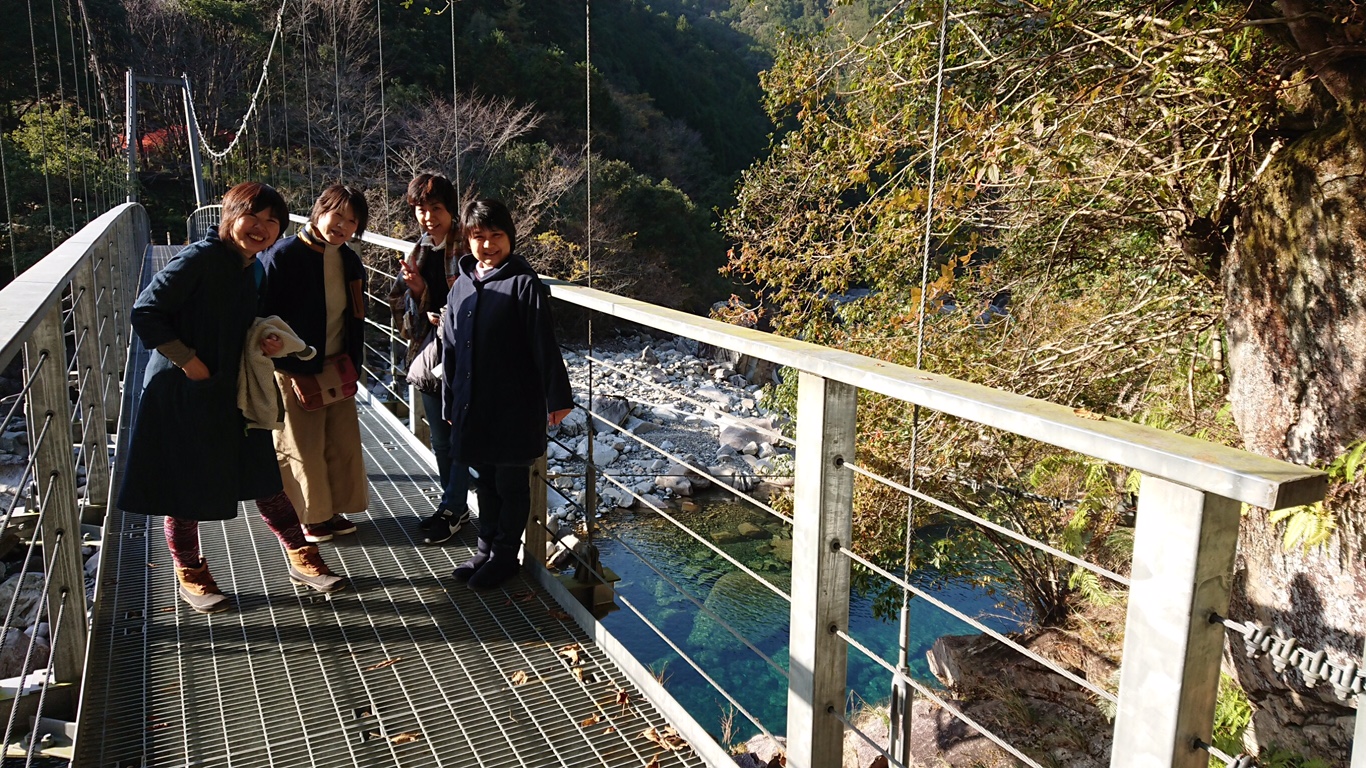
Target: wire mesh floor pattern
x,y
403,668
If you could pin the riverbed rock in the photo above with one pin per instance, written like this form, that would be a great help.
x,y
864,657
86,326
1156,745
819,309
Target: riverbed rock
x,y
612,408
28,605
737,433
751,531
13,647
751,608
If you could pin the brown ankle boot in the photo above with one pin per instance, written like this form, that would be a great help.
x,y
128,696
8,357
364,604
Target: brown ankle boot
x,y
198,589
307,569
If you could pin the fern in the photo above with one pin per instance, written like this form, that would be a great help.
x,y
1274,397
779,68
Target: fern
x,y
1089,586
1308,526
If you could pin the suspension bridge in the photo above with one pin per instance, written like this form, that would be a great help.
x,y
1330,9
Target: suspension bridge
x,y
405,669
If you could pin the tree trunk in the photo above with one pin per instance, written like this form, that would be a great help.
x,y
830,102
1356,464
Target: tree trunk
x,y
1295,289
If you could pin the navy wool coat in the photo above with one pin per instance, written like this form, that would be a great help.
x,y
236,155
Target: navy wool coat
x,y
502,369
294,291
190,454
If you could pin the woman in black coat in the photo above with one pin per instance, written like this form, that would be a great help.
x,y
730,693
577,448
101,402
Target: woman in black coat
x,y
190,456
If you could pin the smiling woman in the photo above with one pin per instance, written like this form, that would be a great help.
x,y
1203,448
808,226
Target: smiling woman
x,y
316,283
191,457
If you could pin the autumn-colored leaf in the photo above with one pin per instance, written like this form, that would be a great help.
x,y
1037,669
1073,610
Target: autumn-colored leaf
x,y
592,719
523,597
578,673
623,699
1085,414
406,737
572,652
665,737
383,664
609,729
519,677
556,613
654,761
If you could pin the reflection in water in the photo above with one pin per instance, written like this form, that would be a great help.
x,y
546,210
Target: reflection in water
x,y
764,544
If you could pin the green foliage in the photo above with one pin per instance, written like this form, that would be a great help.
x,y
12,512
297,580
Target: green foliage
x,y
57,139
1312,525
1284,758
1232,713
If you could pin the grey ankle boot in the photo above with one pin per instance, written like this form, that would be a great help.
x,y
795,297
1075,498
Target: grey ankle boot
x,y
467,569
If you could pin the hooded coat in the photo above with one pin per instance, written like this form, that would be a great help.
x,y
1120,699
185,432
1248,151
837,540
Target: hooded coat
x,y
503,373
190,454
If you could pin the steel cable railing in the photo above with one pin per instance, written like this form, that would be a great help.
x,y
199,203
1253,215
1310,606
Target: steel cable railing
x,y
1004,531
687,659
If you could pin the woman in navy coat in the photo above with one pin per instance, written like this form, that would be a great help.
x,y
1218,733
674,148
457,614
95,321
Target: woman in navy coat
x,y
503,380
190,456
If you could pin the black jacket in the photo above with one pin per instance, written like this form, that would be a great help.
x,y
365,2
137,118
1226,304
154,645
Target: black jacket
x,y
503,373
190,454
295,292
410,315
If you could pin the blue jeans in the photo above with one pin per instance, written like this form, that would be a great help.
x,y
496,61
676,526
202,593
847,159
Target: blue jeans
x,y
455,478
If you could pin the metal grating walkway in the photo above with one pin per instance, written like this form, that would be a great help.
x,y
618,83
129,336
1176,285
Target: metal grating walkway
x,y
404,668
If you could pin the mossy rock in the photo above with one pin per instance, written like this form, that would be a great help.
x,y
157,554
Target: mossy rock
x,y
746,605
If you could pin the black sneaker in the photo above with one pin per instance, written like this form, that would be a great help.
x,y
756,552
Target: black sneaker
x,y
442,525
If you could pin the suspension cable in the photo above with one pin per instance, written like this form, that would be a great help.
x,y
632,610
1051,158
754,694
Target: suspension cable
x,y
76,86
901,690
383,111
336,86
251,108
62,114
455,107
42,133
308,118
590,482
9,214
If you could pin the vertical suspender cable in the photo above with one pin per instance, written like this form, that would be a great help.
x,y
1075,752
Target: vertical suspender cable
x,y
9,215
383,111
284,103
38,89
63,116
455,109
106,111
308,117
76,86
590,484
336,85
270,128
901,691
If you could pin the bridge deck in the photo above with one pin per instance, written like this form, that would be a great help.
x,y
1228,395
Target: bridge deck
x,y
403,668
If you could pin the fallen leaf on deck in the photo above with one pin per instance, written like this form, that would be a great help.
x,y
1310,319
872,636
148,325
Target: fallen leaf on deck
x,y
665,737
1085,414
523,597
558,614
578,673
623,699
654,762
151,565
593,719
519,677
572,652
406,737
383,664
609,729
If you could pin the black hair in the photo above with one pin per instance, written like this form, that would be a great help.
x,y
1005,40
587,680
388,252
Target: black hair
x,y
252,197
337,197
490,213
429,188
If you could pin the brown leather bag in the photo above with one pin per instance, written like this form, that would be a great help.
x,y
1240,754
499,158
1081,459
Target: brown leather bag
x,y
336,382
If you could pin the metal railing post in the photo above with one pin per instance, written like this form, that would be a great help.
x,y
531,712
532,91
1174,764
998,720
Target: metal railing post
x,y
1184,543
49,408
823,494
417,422
90,378
535,537
109,350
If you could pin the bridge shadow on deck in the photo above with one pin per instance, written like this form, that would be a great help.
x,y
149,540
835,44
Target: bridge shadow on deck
x,y
404,668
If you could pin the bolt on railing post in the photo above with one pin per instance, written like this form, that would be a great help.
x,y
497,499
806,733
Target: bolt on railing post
x,y
49,411
535,536
823,495
1184,544
90,378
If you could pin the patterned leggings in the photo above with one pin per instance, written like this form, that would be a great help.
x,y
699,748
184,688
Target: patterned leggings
x,y
182,535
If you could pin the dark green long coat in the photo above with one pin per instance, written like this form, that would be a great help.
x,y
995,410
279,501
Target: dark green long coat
x,y
191,455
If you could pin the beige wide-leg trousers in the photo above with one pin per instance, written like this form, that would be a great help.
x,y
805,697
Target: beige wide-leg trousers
x,y
320,457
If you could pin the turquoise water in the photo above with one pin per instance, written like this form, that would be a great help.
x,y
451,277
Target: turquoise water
x,y
755,539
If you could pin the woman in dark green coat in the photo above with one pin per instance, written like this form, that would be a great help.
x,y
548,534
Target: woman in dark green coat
x,y
191,457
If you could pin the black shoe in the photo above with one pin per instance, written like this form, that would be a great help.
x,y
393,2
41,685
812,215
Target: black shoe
x,y
441,526
501,567
465,570
462,517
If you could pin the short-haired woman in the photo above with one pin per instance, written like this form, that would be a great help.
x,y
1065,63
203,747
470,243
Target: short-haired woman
x,y
418,297
191,457
316,283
